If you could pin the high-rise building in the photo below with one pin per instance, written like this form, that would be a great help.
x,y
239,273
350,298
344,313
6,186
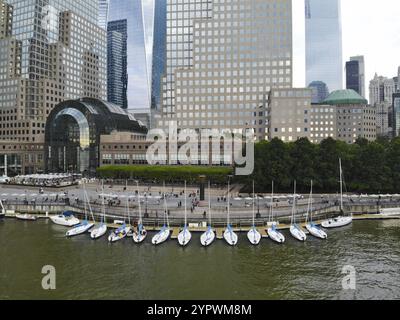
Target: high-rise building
x,y
159,52
58,53
103,13
324,60
117,85
138,93
6,14
355,75
320,91
223,59
396,114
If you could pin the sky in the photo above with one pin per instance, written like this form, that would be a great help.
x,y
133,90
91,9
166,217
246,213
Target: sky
x,y
370,28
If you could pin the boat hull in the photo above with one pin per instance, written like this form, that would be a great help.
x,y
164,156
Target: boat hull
x,y
298,233
25,217
254,236
65,221
184,237
276,235
230,237
337,222
316,231
161,236
118,234
80,229
98,231
207,238
138,237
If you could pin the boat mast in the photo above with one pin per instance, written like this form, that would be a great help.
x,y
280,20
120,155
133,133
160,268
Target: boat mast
x,y
209,203
165,210
311,201
271,213
253,206
341,185
185,207
294,204
140,209
84,200
102,201
229,204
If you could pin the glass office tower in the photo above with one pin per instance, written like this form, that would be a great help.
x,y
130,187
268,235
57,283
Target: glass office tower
x,y
103,13
117,35
159,52
324,61
138,91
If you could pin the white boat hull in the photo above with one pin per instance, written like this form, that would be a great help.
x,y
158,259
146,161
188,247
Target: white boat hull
x,y
138,237
118,234
254,236
230,237
207,238
98,231
161,236
337,222
65,221
298,233
275,235
25,217
184,237
316,231
80,229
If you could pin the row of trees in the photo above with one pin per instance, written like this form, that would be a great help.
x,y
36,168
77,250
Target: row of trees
x,y
372,167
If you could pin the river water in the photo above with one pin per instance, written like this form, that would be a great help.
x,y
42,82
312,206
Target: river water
x,y
87,269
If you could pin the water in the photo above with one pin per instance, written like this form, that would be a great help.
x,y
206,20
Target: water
x,y
87,269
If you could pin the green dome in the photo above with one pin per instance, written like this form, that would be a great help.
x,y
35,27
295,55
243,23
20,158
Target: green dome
x,y
344,97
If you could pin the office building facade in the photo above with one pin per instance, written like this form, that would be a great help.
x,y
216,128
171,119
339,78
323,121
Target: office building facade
x,y
117,62
319,91
138,90
324,57
396,114
103,13
59,53
223,58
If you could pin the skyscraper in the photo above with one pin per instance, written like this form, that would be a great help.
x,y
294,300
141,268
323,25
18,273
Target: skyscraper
x,y
355,75
103,13
138,92
117,63
396,114
324,60
320,91
159,51
58,53
223,58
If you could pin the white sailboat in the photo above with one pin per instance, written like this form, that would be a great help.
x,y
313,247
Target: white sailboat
x,y
2,211
295,230
229,235
85,225
100,229
273,232
253,235
140,234
311,227
66,219
342,220
208,237
164,233
121,232
185,236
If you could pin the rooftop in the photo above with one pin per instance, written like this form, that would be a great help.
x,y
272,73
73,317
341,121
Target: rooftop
x,y
344,97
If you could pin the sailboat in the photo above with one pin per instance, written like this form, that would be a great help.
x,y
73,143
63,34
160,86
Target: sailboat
x,y
164,233
208,237
229,235
2,211
100,229
185,236
84,226
140,234
342,220
296,231
253,235
311,227
272,231
123,230
66,219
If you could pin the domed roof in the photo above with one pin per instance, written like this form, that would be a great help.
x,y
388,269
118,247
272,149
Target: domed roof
x,y
344,97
